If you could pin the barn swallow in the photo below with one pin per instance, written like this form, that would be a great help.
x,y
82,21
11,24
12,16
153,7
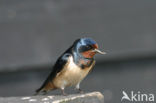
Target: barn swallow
x,y
72,66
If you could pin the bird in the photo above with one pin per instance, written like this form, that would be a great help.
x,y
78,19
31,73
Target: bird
x,y
72,66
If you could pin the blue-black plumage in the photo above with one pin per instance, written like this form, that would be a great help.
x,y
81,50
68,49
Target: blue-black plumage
x,y
72,66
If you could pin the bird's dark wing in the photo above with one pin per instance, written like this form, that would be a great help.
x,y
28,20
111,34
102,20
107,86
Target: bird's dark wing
x,y
59,65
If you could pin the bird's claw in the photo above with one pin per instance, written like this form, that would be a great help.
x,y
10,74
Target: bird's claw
x,y
81,91
63,93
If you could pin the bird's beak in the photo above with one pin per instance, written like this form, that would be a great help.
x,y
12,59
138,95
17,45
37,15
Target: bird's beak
x,y
98,51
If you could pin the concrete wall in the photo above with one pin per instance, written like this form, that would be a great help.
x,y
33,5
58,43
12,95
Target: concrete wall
x,y
38,31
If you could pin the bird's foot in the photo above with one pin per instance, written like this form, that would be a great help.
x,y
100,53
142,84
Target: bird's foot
x,y
63,93
80,91
44,92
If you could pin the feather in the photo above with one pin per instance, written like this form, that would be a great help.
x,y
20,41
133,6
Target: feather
x,y
59,65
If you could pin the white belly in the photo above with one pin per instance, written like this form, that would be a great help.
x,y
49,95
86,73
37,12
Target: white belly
x,y
71,75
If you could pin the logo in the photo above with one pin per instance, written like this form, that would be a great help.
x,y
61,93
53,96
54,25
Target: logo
x,y
137,96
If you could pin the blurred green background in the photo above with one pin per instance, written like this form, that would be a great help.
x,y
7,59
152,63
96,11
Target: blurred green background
x,y
34,33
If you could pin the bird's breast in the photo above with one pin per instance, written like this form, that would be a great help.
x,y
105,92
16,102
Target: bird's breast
x,y
71,74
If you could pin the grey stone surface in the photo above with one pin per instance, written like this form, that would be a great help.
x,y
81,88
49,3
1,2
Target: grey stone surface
x,y
93,97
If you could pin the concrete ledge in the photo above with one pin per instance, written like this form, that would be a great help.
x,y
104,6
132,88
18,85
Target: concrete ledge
x,y
93,97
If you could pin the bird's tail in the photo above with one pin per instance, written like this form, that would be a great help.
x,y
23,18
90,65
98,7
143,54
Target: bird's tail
x,y
45,88
38,91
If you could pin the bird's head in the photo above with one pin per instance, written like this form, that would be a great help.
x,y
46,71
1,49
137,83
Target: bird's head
x,y
87,47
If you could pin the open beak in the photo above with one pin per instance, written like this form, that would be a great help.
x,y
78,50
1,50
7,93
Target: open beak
x,y
98,51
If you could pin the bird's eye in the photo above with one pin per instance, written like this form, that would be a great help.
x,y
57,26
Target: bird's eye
x,y
85,48
88,47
